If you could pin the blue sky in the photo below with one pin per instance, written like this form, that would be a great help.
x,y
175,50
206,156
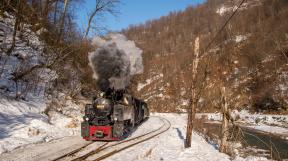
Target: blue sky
x,y
134,11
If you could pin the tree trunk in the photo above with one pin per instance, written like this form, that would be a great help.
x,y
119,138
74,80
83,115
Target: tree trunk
x,y
45,11
193,100
190,124
55,12
189,128
63,20
16,25
224,130
97,9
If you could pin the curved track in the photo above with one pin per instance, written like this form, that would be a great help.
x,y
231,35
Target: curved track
x,y
110,148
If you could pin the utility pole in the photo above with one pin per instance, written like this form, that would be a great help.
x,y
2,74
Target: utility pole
x,y
193,98
224,129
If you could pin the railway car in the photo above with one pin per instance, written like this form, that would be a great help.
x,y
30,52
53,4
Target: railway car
x,y
112,116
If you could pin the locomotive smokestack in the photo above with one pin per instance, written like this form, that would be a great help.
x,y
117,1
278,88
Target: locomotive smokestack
x,y
115,61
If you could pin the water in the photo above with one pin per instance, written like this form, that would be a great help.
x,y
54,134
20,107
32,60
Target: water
x,y
277,146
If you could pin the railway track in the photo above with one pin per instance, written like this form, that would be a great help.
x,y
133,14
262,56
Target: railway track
x,y
73,152
110,148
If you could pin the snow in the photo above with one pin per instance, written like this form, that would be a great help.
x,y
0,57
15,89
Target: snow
x,y
276,124
28,52
45,151
223,9
23,123
148,81
167,146
184,102
271,129
283,85
170,145
240,38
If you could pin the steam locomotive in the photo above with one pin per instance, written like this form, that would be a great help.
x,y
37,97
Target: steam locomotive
x,y
112,116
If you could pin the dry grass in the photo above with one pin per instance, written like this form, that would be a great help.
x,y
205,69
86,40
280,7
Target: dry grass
x,y
148,153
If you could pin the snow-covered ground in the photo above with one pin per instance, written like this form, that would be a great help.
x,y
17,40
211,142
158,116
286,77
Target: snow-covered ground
x,y
148,81
271,129
45,151
23,123
276,124
170,145
23,120
167,146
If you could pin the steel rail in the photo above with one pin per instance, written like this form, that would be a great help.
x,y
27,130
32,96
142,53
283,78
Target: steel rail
x,y
79,149
72,152
102,148
136,143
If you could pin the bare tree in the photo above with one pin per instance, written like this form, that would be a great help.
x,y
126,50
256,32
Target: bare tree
x,y
55,12
16,25
101,7
224,129
193,99
63,19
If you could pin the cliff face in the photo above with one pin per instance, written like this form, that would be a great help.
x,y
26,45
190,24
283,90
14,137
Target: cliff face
x,y
249,57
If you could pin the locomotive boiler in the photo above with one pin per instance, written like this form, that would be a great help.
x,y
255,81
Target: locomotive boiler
x,y
112,116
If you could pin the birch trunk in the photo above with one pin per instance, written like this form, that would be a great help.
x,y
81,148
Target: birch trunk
x,y
193,99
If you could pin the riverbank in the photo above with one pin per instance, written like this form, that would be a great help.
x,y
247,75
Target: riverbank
x,y
251,139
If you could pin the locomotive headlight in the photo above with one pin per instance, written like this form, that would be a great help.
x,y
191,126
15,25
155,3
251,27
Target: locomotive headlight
x,y
103,105
86,118
115,119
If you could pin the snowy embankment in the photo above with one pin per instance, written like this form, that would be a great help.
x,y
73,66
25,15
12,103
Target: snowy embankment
x,y
170,145
276,124
23,123
22,101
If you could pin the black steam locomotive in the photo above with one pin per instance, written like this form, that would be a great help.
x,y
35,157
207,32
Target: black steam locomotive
x,y
112,115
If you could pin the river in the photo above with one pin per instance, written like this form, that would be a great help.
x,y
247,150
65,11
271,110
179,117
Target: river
x,y
277,146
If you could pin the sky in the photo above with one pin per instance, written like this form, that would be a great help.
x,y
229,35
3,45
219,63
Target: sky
x,y
133,12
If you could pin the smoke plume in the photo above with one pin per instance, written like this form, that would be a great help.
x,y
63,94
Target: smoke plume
x,y
115,61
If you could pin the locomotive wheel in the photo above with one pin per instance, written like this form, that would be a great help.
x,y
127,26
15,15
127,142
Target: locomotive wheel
x,y
118,129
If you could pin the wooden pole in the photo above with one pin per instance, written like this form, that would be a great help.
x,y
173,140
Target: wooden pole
x,y
224,130
193,99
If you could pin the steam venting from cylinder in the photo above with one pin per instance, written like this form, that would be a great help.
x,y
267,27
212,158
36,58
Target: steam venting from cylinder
x,y
115,61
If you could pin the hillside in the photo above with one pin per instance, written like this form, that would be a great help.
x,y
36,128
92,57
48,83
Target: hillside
x,y
249,57
35,103
70,91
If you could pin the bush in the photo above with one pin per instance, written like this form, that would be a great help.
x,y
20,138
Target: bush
x,y
267,104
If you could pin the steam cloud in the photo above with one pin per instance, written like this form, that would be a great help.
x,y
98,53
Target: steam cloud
x,y
115,61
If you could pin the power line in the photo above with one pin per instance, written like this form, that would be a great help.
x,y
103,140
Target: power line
x,y
225,24
214,38
193,106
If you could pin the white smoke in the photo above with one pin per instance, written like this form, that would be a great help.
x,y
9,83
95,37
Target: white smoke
x,y
115,61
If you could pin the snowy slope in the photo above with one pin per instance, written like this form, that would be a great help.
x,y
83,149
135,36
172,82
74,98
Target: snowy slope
x,y
27,53
23,123
22,120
